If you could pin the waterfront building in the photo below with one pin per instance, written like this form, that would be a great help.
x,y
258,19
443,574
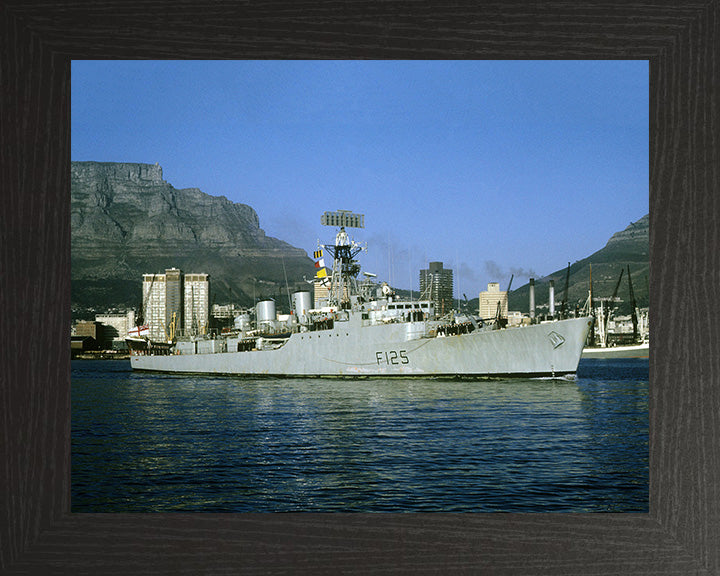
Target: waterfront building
x,y
176,304
115,328
489,300
88,329
436,284
81,344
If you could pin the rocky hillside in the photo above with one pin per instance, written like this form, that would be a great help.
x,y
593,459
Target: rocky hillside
x,y
127,221
629,247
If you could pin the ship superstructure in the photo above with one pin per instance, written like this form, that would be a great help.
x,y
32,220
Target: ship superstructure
x,y
365,330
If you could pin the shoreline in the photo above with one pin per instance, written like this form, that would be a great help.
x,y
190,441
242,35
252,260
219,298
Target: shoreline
x,y
101,356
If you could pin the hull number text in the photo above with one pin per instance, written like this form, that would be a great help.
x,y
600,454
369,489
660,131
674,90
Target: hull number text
x,y
392,357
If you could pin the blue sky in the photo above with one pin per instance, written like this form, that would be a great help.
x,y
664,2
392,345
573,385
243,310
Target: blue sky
x,y
492,167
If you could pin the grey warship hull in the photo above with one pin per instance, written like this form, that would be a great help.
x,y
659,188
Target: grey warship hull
x,y
360,330
406,349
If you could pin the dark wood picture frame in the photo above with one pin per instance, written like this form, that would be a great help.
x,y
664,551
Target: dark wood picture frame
x,y
39,535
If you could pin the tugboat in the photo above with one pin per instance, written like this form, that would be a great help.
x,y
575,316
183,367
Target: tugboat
x,y
365,330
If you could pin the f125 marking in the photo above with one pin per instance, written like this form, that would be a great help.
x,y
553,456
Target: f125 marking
x,y
392,357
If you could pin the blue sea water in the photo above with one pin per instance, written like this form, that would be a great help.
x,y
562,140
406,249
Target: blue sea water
x,y
159,443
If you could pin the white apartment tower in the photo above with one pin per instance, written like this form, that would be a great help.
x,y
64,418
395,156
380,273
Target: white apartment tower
x,y
154,305
176,304
197,304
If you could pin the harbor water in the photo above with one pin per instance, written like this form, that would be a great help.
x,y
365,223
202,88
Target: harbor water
x,y
144,442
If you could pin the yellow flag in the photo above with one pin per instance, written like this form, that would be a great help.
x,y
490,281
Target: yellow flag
x,y
321,273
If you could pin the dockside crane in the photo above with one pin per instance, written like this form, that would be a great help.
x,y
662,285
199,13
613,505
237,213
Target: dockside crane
x,y
498,313
563,306
611,304
591,337
633,307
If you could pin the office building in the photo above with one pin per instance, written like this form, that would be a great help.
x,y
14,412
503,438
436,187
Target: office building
x,y
173,300
489,300
176,304
196,316
436,284
154,305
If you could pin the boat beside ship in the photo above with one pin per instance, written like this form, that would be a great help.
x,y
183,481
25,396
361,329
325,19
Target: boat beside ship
x,y
365,330
606,345
641,350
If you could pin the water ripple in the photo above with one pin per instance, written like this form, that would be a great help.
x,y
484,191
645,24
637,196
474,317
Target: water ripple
x,y
143,442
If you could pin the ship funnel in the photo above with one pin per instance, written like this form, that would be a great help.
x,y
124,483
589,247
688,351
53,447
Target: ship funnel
x,y
265,311
552,298
532,297
301,305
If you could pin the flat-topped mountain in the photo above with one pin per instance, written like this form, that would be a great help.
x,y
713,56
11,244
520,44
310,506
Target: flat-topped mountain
x,y
127,221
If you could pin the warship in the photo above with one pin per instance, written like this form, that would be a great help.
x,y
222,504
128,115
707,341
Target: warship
x,y
363,329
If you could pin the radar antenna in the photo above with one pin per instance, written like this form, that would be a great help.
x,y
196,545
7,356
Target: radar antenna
x,y
345,269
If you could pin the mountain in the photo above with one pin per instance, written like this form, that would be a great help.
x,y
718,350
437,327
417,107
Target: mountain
x,y
127,221
629,247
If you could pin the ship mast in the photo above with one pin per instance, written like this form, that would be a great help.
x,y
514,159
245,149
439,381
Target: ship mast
x,y
343,282
633,308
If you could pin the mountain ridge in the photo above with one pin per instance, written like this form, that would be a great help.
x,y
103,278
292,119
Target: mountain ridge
x,y
629,247
126,220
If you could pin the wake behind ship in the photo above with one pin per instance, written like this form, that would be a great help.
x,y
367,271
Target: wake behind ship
x,y
366,331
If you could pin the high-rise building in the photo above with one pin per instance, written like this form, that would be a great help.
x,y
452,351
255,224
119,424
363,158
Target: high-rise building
x,y
489,300
173,300
154,305
436,284
197,304
176,304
